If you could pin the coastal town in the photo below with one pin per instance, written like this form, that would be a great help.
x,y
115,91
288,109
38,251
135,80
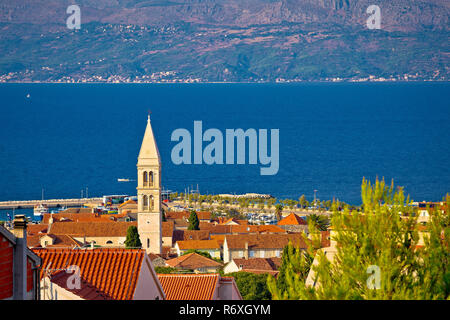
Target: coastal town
x,y
162,245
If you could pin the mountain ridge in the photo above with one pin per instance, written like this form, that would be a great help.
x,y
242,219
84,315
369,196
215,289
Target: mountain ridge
x,y
223,40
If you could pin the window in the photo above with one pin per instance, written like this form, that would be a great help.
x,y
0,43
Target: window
x,y
109,242
277,253
152,202
262,254
145,178
148,243
145,201
252,253
150,177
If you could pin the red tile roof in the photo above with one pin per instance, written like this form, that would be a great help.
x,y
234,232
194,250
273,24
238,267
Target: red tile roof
x,y
112,271
167,228
216,229
88,229
291,219
198,244
79,217
268,264
257,229
34,229
219,237
180,235
61,241
87,291
192,261
189,287
265,241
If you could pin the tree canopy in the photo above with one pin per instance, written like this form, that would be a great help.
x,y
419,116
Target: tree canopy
x,y
132,240
251,286
382,252
193,221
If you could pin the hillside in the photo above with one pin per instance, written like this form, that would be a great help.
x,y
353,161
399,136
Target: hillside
x,y
223,40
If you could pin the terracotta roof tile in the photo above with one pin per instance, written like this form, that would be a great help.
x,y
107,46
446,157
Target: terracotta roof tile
x,y
268,264
113,229
257,229
80,217
112,271
87,291
192,261
189,287
219,237
34,229
181,235
291,219
168,228
264,241
198,244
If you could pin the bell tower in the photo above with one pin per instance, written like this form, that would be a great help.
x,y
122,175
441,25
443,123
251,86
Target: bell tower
x,y
149,193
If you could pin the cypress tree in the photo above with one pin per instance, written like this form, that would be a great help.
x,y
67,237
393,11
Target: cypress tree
x,y
193,221
133,240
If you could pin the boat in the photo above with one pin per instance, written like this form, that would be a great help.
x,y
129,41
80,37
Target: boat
x,y
40,210
124,180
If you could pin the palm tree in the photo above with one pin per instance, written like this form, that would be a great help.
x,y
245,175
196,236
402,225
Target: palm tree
x,y
320,221
278,211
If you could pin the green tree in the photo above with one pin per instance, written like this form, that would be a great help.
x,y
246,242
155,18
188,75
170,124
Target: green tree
x,y
132,240
295,261
202,253
302,201
279,211
384,235
321,222
193,221
251,286
165,270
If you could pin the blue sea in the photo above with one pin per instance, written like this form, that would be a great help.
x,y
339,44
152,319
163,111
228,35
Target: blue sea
x,y
65,138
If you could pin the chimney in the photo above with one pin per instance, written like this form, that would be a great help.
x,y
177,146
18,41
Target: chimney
x,y
20,257
246,250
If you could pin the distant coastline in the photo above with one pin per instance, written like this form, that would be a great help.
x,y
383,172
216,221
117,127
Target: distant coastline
x,y
233,82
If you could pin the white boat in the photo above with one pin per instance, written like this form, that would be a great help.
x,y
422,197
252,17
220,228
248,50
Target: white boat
x,y
40,210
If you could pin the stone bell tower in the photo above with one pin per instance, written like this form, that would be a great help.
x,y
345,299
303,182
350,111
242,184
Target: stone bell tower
x,y
149,216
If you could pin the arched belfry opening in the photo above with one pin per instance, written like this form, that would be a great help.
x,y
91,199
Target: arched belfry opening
x,y
145,178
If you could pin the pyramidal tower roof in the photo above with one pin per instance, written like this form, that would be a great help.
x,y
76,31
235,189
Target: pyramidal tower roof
x,y
149,153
